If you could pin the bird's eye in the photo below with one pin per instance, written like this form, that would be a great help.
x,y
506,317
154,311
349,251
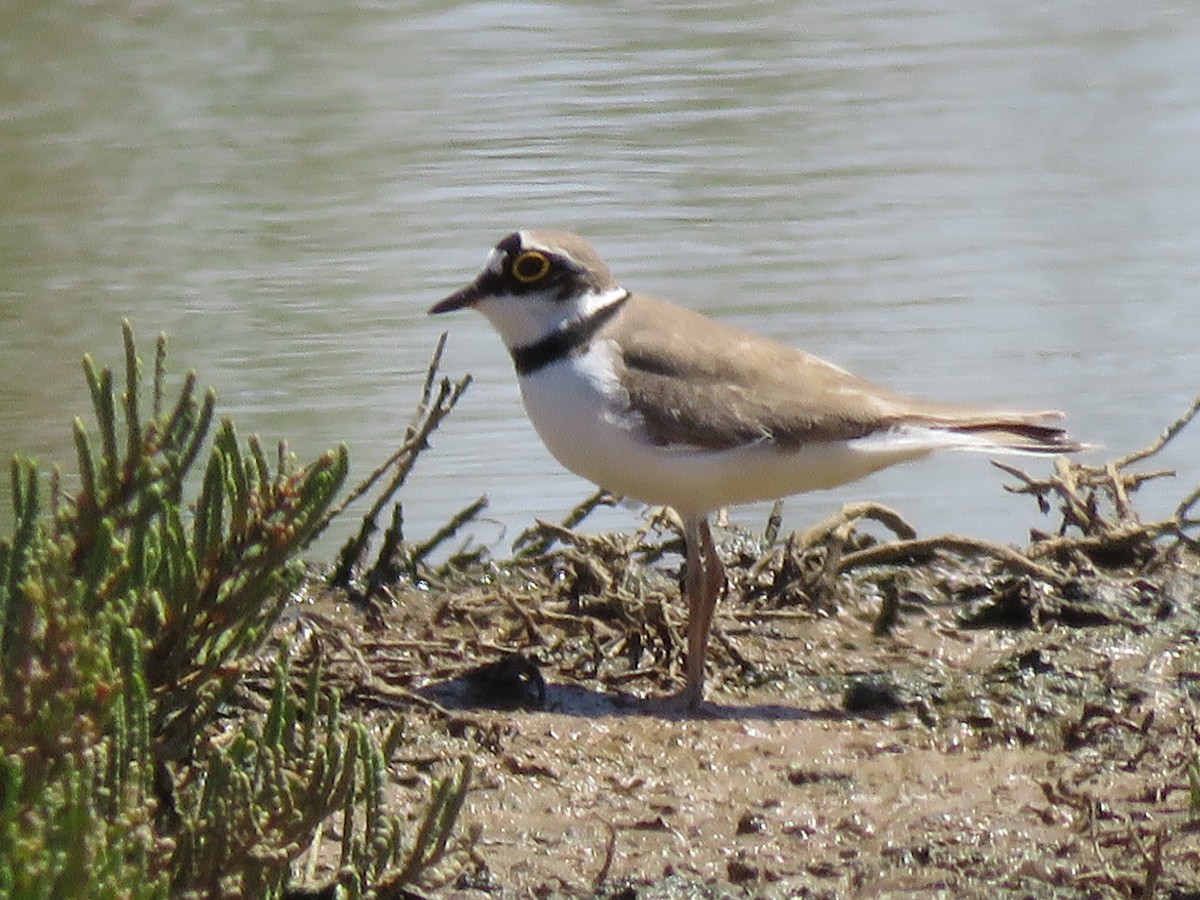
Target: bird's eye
x,y
530,266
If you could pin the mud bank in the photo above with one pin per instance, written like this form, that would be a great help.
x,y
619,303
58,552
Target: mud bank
x,y
886,716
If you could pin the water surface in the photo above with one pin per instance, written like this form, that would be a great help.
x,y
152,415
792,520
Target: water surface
x,y
969,201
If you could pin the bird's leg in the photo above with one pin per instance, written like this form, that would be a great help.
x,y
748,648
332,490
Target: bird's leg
x,y
693,588
702,585
714,577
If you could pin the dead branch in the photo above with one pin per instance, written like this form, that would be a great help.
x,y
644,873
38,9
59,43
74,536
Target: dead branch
x,y
1165,438
431,410
1096,502
897,551
539,537
845,520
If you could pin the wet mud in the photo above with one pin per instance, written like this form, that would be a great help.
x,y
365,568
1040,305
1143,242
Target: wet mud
x,y
887,715
948,727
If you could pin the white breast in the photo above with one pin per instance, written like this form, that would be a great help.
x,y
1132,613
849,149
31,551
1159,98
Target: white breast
x,y
578,407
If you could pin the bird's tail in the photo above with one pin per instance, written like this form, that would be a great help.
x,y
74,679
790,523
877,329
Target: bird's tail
x,y
1002,432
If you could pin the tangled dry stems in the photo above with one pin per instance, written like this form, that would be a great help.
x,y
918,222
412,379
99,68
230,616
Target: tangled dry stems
x,y
600,613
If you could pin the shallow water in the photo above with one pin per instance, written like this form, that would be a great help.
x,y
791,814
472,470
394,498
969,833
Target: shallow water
x,y
995,204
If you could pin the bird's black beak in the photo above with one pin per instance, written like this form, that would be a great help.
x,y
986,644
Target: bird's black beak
x,y
467,297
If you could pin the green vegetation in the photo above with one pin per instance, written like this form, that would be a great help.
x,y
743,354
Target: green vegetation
x,y
129,617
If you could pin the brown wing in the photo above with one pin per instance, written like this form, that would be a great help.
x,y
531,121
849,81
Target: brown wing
x,y
703,383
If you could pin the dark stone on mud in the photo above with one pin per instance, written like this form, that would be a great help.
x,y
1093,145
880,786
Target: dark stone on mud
x,y
738,870
511,682
1007,606
1034,661
671,886
751,823
801,777
872,696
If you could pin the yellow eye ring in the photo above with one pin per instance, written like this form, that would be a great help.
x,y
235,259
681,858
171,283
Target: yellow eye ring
x,y
530,266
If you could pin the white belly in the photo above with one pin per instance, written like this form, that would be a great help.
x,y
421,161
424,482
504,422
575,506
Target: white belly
x,y
579,412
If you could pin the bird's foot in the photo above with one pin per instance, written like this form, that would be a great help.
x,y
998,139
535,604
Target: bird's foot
x,y
687,703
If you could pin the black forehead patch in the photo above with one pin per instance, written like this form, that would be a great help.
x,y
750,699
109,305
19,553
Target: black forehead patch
x,y
511,245
562,277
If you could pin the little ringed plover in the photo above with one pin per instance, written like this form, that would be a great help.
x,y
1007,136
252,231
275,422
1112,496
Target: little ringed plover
x,y
662,404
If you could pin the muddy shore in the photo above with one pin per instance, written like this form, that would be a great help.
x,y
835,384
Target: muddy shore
x,y
887,715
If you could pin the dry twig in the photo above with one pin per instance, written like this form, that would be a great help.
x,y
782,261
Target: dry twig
x,y
924,547
1095,502
431,410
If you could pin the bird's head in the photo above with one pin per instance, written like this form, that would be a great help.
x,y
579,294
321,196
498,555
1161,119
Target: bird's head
x,y
534,283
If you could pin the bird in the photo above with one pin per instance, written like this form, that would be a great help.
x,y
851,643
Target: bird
x,y
659,403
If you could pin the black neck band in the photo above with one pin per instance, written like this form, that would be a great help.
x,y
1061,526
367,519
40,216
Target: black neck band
x,y
557,345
